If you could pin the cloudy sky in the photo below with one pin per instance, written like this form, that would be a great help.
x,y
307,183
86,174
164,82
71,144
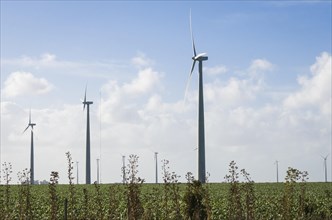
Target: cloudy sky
x,y
267,85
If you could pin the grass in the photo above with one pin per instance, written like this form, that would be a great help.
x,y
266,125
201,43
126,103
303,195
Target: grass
x,y
237,198
111,200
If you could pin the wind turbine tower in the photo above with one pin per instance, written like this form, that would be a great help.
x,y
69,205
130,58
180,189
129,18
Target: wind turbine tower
x,y
325,167
77,172
32,170
156,160
88,156
98,170
277,163
201,133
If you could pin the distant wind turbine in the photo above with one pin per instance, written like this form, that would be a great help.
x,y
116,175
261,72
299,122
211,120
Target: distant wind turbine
x,y
201,136
77,172
88,164
98,171
156,160
32,171
325,166
277,163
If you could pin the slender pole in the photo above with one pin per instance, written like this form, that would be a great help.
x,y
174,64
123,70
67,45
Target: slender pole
x,y
32,172
325,167
97,170
77,172
88,165
100,137
123,169
277,163
201,135
156,160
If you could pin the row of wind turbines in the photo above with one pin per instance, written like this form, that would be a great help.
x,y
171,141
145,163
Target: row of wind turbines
x,y
201,133
325,168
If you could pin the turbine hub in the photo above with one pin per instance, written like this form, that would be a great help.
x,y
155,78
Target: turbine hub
x,y
200,57
87,102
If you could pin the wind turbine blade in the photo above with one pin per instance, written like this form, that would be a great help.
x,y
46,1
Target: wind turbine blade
x,y
86,87
192,37
188,81
26,128
84,101
192,68
30,116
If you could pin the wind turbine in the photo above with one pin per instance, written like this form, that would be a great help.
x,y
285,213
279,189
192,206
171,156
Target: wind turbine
x,y
88,164
32,172
76,172
325,166
201,136
277,163
156,160
98,170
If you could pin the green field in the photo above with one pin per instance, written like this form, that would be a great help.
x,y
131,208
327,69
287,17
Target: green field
x,y
111,200
168,201
237,198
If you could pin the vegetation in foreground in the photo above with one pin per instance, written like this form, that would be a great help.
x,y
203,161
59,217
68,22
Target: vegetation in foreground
x,y
238,198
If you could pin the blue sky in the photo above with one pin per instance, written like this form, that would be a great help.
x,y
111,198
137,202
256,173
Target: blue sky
x,y
267,61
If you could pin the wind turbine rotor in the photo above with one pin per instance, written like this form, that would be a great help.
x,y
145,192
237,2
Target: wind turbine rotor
x,y
84,101
26,128
30,124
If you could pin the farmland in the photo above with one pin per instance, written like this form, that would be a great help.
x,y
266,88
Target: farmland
x,y
236,198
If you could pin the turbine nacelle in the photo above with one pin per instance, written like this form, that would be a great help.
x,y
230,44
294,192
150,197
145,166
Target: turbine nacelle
x,y
87,102
200,57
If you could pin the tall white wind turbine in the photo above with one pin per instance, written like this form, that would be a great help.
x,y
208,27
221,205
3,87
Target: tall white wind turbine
x,y
32,169
325,166
88,155
201,134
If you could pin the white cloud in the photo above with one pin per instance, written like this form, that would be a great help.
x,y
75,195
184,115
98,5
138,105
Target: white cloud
x,y
231,93
137,119
50,64
48,57
146,81
260,65
216,70
315,91
25,83
141,61
123,101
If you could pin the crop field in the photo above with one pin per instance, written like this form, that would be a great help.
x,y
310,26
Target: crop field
x,y
236,198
